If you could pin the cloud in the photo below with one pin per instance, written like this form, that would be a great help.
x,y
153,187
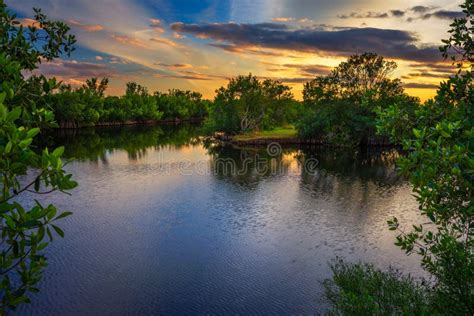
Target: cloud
x,y
415,85
191,75
397,13
445,67
310,70
283,19
86,27
367,15
250,50
75,69
396,44
99,58
421,9
127,40
26,22
164,41
156,25
443,14
426,74
174,66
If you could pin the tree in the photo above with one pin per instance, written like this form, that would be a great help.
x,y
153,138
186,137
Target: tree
x,y
440,165
23,168
248,104
361,76
93,85
341,108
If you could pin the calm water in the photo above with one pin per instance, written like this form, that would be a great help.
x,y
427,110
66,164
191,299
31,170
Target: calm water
x,y
160,228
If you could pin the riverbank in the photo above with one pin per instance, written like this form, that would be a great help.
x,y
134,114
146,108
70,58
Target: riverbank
x,y
289,136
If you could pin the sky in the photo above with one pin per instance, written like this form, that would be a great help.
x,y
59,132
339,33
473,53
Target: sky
x,y
199,44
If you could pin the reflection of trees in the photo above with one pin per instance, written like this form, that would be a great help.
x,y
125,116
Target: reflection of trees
x,y
250,165
352,176
377,165
93,144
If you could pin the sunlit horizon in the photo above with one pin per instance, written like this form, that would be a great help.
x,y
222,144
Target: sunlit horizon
x,y
198,45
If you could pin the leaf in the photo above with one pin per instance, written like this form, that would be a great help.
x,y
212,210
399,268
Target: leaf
x,y
42,246
33,132
63,215
58,230
58,151
25,143
8,147
14,114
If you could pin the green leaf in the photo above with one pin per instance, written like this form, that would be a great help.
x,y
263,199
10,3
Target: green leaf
x,y
25,143
14,114
63,215
33,132
58,230
58,151
8,147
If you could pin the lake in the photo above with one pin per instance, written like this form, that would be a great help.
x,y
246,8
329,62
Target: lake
x,y
166,224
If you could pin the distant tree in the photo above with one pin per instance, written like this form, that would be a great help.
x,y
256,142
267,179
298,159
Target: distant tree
x,y
248,104
93,85
340,108
134,88
360,77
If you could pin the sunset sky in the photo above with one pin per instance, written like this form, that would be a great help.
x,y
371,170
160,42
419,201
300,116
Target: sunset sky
x,y
198,44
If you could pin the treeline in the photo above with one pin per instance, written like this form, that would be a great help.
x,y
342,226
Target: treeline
x,y
88,105
249,104
340,108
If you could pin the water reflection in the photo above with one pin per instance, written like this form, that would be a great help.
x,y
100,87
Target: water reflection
x,y
149,236
91,144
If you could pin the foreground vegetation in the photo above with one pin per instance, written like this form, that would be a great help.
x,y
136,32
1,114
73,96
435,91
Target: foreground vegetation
x,y
439,139
24,169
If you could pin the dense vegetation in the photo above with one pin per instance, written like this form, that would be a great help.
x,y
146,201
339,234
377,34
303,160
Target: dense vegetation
x,y
25,169
88,106
345,107
439,139
249,104
340,108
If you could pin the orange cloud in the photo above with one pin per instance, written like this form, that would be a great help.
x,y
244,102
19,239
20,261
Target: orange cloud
x,y
26,22
175,66
283,19
165,41
86,27
156,25
127,40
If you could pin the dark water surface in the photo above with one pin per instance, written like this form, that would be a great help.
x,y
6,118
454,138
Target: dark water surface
x,y
162,226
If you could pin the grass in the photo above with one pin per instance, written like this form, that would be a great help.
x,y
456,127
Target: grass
x,y
280,132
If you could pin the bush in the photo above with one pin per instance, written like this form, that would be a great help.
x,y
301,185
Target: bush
x,y
361,289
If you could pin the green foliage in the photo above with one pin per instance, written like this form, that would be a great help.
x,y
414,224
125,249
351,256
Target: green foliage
x,y
440,165
340,108
361,289
25,232
248,104
182,105
21,50
87,105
